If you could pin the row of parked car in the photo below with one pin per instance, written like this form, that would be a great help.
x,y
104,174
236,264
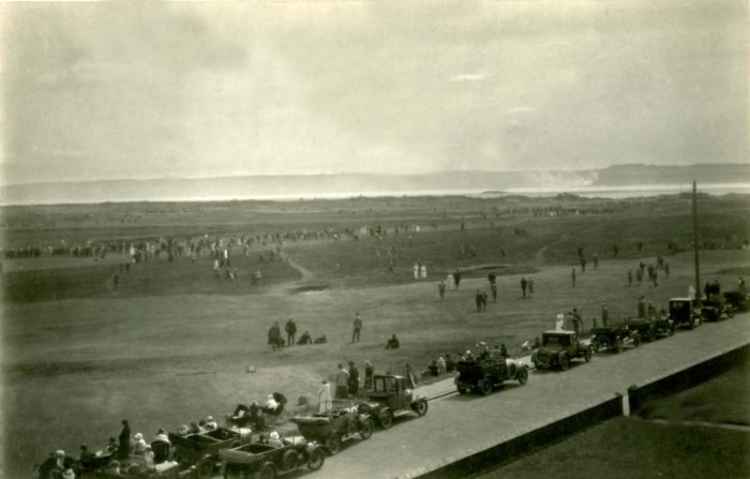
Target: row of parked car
x,y
559,348
235,453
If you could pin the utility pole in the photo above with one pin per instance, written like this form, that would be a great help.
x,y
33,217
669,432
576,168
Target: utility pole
x,y
695,243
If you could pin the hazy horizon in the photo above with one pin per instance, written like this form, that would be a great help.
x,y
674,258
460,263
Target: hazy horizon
x,y
132,90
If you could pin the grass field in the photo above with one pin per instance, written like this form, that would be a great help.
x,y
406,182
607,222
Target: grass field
x,y
671,448
173,343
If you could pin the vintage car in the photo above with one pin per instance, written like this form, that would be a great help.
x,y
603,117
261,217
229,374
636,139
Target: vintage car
x,y
558,349
488,371
391,396
333,427
614,338
202,449
652,329
260,460
737,300
685,312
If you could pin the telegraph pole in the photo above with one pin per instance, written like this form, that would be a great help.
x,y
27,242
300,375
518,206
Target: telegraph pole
x,y
695,243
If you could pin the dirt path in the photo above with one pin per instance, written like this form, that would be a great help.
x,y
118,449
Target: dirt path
x,y
306,274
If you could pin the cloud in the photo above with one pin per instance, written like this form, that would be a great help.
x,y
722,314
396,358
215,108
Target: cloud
x,y
468,77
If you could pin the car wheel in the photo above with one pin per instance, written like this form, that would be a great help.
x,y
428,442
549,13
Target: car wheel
x,y
461,390
386,419
486,387
233,471
564,362
587,355
315,459
290,460
266,471
523,375
366,428
333,444
420,407
636,341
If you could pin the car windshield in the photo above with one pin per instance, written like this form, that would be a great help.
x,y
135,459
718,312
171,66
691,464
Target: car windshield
x,y
555,340
385,384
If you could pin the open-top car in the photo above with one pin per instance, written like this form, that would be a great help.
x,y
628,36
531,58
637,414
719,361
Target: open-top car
x,y
392,396
202,449
267,461
333,427
685,312
558,349
614,338
487,372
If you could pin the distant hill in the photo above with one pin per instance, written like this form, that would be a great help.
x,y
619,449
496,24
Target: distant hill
x,y
338,185
626,175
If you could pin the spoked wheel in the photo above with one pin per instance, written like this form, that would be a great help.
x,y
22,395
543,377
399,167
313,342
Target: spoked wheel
x,y
421,408
266,471
333,444
587,355
315,459
366,428
486,387
386,419
564,362
523,376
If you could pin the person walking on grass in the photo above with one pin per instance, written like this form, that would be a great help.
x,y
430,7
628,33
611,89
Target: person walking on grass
x,y
356,328
441,289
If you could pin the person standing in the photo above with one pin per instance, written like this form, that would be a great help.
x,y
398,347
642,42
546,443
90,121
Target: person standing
x,y
493,288
630,278
123,451
369,373
573,276
531,286
415,268
342,383
605,315
457,278
325,401
291,332
353,379
441,289
577,321
524,285
423,271
478,301
641,307
356,328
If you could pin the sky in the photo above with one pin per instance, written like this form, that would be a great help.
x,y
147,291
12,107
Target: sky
x,y
145,90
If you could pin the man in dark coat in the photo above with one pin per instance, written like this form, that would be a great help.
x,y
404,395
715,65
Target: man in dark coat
x,y
524,285
353,379
291,331
124,449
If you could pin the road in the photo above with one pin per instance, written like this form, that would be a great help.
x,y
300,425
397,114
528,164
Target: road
x,y
459,426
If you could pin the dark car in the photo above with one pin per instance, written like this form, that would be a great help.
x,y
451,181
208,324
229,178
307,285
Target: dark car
x,y
685,312
558,349
486,373
392,396
333,427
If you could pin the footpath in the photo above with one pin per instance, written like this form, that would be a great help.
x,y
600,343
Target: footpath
x,y
458,427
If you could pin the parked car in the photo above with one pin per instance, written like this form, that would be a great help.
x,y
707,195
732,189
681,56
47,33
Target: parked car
x,y
332,428
685,312
652,329
202,449
485,373
267,461
392,396
614,338
558,349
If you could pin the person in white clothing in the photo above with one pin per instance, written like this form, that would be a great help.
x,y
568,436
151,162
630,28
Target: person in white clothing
x,y
325,401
